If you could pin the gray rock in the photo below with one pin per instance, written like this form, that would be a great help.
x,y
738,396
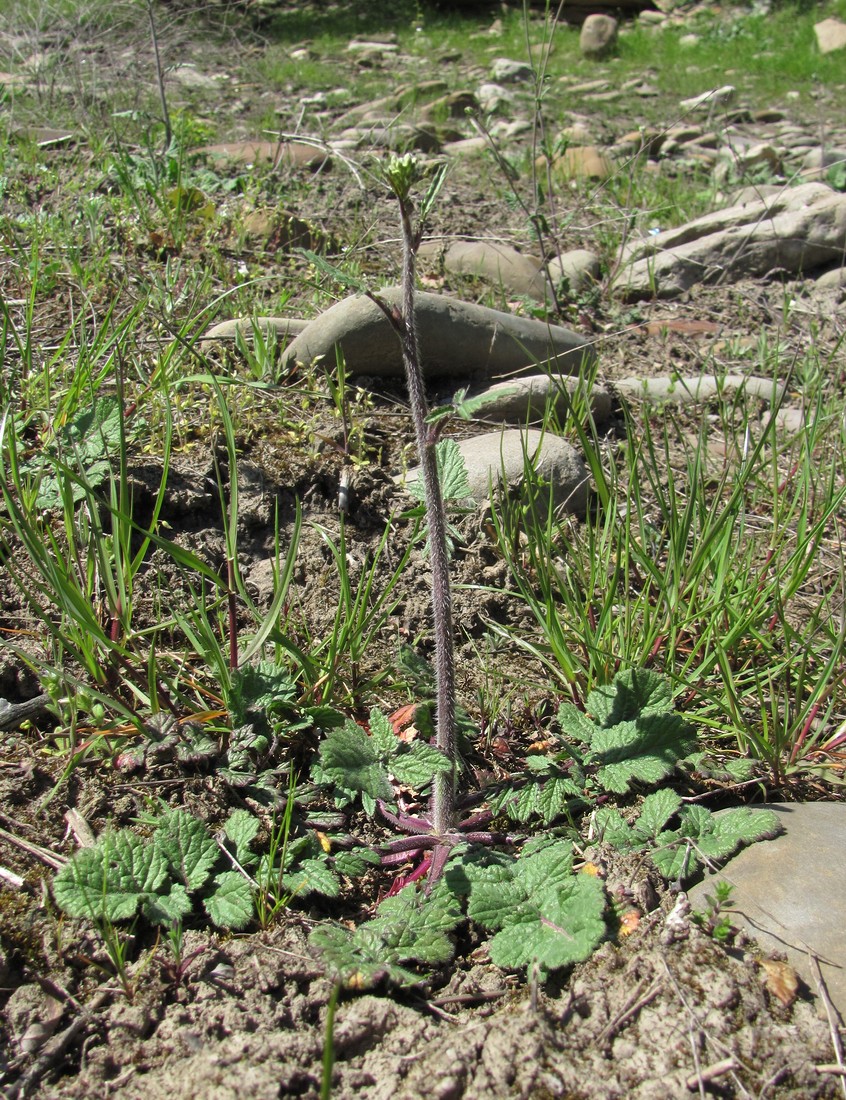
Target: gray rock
x,y
579,268
465,146
798,230
506,71
831,35
493,98
498,264
755,192
830,279
790,892
189,76
698,387
285,328
500,457
525,400
707,101
457,339
598,36
817,161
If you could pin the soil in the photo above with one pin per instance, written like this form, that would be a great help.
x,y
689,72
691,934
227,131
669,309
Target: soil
x,y
661,1010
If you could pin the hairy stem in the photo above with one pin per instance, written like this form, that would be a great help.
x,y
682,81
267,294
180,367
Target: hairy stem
x,y
443,801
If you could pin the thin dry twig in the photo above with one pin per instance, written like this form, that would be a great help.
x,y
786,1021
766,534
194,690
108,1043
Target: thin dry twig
x,y
633,1005
831,1016
52,859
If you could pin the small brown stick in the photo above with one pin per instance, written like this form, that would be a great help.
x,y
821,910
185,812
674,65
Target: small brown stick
x,y
711,1073
831,1015
52,859
55,1049
80,828
631,1008
11,879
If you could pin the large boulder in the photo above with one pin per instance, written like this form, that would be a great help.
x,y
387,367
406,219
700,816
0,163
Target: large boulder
x,y
797,231
457,339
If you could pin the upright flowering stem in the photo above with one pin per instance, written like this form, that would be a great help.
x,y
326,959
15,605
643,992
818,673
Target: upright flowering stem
x,y
401,173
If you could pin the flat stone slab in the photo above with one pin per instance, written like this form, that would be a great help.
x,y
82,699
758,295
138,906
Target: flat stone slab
x,y
501,456
790,892
457,339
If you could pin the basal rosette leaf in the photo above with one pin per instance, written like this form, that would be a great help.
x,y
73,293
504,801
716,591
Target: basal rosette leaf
x,y
613,828
189,849
576,724
241,828
358,958
645,750
312,876
110,880
409,927
563,925
633,693
164,909
382,735
231,903
355,863
415,927
704,836
349,761
656,811
418,764
501,894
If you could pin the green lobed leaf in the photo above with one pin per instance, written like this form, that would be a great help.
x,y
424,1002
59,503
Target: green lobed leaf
x,y
164,909
109,880
418,765
241,828
231,903
574,723
262,686
355,863
556,797
502,894
613,829
312,876
416,927
564,926
348,760
358,957
656,811
633,693
644,750
383,738
452,473
189,849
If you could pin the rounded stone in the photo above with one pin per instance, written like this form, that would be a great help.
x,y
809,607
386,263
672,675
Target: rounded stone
x,y
501,458
598,36
457,339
